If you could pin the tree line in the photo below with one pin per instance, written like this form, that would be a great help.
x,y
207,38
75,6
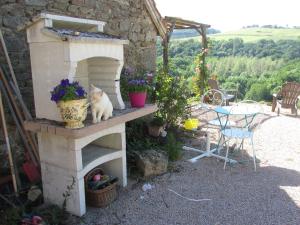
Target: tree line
x,y
257,68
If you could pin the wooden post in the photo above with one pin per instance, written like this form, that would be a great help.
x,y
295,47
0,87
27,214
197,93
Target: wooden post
x,y
8,61
204,37
202,31
10,159
204,46
165,43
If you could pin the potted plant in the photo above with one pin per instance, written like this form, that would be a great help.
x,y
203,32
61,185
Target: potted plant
x,y
137,90
71,100
156,126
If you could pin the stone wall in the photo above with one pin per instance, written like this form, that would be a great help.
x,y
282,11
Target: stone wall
x,y
126,18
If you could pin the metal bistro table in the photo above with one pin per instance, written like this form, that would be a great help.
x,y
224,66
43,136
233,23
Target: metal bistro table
x,y
224,112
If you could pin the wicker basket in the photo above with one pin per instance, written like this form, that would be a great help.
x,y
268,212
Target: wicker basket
x,y
99,198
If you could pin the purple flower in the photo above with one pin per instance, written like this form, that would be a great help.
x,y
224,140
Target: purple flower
x,y
80,92
65,82
61,93
67,90
54,98
137,82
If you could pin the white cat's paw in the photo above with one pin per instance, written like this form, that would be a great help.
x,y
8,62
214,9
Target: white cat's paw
x,y
94,121
105,118
98,120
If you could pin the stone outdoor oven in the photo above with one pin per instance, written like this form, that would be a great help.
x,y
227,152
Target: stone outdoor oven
x,y
66,47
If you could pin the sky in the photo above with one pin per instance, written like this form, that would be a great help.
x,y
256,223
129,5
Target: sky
x,y
229,15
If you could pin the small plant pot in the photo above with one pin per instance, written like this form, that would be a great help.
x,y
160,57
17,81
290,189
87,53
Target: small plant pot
x,y
191,124
137,99
155,131
73,112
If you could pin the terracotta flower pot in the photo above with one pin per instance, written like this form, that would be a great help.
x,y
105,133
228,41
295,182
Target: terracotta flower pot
x,y
138,99
73,112
154,130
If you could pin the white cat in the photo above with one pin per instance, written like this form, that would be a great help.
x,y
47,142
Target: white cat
x,y
100,104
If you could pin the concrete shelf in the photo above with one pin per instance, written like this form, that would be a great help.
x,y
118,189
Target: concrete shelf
x,y
96,155
119,116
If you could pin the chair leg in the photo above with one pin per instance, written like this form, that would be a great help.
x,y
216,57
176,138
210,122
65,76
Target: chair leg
x,y
253,152
222,142
274,103
226,157
242,148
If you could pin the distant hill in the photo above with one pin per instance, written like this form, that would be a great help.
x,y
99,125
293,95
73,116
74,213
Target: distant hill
x,y
255,34
250,34
190,33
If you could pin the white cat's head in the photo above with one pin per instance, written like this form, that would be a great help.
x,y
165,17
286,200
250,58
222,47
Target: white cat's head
x,y
95,93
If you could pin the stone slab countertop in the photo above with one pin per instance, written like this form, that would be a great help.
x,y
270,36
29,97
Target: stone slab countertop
x,y
119,116
69,34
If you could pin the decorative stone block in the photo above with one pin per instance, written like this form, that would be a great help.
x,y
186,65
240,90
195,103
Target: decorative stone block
x,y
151,162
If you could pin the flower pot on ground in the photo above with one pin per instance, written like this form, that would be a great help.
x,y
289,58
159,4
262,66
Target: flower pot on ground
x,y
155,131
156,126
137,90
71,100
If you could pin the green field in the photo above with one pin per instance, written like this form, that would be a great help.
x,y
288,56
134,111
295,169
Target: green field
x,y
255,34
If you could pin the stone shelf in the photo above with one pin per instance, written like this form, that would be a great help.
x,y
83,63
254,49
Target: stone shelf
x,y
119,116
96,155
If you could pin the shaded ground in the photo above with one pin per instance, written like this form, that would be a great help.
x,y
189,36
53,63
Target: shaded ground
x,y
239,196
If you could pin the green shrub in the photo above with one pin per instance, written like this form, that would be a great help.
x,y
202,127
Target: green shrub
x,y
171,97
173,147
259,92
137,138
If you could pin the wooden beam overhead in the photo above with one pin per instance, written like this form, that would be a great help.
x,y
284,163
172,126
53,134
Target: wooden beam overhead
x,y
164,25
187,23
156,18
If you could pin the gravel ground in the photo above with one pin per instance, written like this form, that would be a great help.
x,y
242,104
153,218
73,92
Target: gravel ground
x,y
237,196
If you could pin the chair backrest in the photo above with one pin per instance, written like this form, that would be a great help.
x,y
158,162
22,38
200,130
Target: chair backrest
x,y
289,93
213,84
212,98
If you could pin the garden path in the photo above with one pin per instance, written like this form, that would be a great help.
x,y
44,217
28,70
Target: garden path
x,y
238,195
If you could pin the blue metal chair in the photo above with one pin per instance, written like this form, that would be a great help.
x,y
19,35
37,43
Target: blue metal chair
x,y
209,101
244,112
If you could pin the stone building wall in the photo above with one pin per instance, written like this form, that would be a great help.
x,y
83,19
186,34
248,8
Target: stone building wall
x,y
126,18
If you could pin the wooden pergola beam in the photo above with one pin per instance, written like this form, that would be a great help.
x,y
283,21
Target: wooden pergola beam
x,y
156,18
188,23
166,25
